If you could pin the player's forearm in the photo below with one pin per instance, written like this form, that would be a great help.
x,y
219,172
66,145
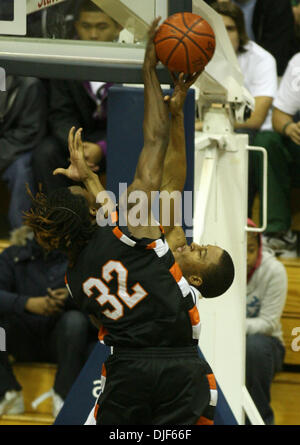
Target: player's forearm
x,y
156,119
94,186
174,172
177,136
156,134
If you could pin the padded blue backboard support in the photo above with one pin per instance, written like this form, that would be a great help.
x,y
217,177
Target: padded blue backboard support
x,y
125,136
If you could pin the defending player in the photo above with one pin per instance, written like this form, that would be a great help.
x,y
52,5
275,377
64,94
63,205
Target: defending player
x,y
133,286
208,268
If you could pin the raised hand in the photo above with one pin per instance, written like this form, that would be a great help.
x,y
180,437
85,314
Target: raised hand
x,y
78,169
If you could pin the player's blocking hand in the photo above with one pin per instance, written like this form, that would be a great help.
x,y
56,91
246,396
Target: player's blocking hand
x,y
78,169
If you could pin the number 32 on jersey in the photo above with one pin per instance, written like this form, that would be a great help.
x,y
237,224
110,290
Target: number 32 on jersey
x,y
116,301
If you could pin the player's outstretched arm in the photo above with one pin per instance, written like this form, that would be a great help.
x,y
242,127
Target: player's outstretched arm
x,y
174,169
79,171
148,174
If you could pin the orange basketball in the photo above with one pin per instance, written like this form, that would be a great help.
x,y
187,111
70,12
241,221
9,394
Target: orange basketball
x,y
185,42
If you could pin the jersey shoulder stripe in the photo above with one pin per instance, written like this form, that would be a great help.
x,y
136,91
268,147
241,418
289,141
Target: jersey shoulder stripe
x,y
124,238
159,246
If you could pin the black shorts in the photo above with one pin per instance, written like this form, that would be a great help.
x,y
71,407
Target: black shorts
x,y
156,386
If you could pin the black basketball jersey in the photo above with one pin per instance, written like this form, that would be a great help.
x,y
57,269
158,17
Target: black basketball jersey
x,y
135,289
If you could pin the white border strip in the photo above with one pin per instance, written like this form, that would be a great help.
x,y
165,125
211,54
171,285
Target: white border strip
x,y
65,51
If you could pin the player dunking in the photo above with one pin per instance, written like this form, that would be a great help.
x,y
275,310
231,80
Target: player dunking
x,y
133,286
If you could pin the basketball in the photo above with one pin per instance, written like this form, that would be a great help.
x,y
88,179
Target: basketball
x,y
185,42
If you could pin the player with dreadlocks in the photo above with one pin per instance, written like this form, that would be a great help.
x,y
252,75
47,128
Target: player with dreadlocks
x,y
61,221
127,278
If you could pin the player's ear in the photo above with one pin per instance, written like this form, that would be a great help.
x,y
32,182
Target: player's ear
x,y
195,280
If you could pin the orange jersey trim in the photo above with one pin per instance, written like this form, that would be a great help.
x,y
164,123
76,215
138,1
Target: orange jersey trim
x,y
103,371
151,245
194,316
102,332
212,381
117,232
114,217
176,272
96,411
204,421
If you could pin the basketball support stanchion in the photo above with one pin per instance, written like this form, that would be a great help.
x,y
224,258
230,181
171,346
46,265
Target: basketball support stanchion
x,y
220,212
221,327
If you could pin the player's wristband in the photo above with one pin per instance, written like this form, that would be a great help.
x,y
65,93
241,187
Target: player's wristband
x,y
285,127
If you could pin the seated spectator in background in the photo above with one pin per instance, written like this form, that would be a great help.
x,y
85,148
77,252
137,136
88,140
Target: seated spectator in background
x,y
271,25
22,126
260,78
39,319
283,147
296,11
92,23
266,294
79,104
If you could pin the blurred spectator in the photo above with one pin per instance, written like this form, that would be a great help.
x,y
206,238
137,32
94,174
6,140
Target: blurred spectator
x,y
272,26
283,147
296,12
79,104
22,126
39,319
266,294
260,78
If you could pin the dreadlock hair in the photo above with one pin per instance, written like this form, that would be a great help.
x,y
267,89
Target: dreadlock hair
x,y
60,221
218,277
